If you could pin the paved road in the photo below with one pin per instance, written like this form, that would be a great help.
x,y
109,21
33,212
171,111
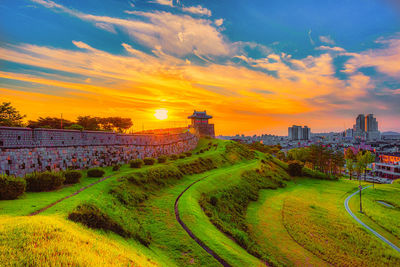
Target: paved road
x,y
193,236
346,205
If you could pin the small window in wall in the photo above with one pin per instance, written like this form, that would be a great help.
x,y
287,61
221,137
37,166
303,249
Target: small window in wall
x,y
72,138
51,138
62,142
19,137
1,143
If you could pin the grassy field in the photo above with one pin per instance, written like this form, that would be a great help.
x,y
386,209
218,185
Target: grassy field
x,y
49,241
377,215
315,220
194,217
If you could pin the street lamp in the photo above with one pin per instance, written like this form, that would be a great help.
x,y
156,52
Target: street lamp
x,y
360,188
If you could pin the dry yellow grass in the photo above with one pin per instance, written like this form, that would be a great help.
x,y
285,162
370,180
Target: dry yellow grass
x,y
50,241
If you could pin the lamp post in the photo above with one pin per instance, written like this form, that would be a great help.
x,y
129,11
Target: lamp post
x,y
360,189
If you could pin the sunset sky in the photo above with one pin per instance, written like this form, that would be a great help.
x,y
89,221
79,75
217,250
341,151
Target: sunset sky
x,y
257,66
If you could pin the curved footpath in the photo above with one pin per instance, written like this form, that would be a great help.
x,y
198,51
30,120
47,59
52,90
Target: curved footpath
x,y
190,233
69,196
346,205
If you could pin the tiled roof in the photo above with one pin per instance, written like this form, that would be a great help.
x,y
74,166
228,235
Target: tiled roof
x,y
200,115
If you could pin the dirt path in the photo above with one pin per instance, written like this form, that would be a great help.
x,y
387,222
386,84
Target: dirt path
x,y
190,233
69,196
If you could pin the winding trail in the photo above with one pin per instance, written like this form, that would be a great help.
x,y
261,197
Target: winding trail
x,y
346,205
69,196
190,233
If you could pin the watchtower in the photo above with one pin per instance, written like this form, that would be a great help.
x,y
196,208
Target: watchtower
x,y
200,123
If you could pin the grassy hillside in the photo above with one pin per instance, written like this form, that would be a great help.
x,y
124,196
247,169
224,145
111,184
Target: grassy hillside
x,y
379,216
49,241
310,218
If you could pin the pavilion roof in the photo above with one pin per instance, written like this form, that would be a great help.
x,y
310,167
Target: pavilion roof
x,y
199,115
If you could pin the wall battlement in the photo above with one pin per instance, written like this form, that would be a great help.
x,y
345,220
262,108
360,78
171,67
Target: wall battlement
x,y
25,150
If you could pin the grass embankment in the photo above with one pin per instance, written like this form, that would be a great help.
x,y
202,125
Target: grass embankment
x,y
33,201
48,241
226,202
383,218
313,215
137,205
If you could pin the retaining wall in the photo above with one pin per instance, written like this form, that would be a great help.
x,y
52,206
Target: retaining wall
x,y
25,150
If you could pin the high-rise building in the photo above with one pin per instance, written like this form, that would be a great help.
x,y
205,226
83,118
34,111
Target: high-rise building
x,y
360,123
366,127
299,133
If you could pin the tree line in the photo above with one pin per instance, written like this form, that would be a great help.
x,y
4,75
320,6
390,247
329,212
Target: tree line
x,y
11,117
358,162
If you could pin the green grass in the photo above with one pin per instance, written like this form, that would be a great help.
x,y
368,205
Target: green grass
x,y
317,227
194,217
377,215
50,241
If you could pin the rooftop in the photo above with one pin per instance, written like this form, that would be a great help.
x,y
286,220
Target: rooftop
x,y
199,115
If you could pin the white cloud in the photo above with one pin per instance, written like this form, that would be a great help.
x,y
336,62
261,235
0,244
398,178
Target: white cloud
x,y
309,36
163,2
329,48
327,39
177,34
105,26
198,10
218,22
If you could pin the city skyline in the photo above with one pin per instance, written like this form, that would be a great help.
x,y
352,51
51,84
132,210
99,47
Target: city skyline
x,y
276,64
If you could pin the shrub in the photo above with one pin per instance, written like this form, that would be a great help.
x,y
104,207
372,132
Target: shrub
x,y
173,157
317,174
136,163
149,161
116,167
45,181
182,156
188,154
295,168
10,187
72,177
198,165
90,215
162,159
95,172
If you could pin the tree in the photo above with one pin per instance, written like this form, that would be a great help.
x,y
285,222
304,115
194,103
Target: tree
x,y
295,168
350,166
89,123
115,123
368,159
9,116
49,122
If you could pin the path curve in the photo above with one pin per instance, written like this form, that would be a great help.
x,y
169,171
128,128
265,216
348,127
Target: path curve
x,y
190,233
346,205
69,196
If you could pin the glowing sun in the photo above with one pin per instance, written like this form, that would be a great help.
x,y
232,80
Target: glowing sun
x,y
161,114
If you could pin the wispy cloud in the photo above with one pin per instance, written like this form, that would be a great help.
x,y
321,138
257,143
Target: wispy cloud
x,y
105,26
197,10
163,2
327,39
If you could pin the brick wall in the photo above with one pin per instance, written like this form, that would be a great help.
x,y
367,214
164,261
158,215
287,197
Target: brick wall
x,y
23,150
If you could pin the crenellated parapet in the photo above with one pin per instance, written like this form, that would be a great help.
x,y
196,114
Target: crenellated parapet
x,y
25,150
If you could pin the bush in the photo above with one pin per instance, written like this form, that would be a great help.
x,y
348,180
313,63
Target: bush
x,y
90,215
317,174
45,181
149,161
95,172
10,187
116,167
72,177
173,157
162,159
182,156
136,163
198,165
295,168
188,154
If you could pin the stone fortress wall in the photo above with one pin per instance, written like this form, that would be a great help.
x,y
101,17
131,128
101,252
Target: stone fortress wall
x,y
26,150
